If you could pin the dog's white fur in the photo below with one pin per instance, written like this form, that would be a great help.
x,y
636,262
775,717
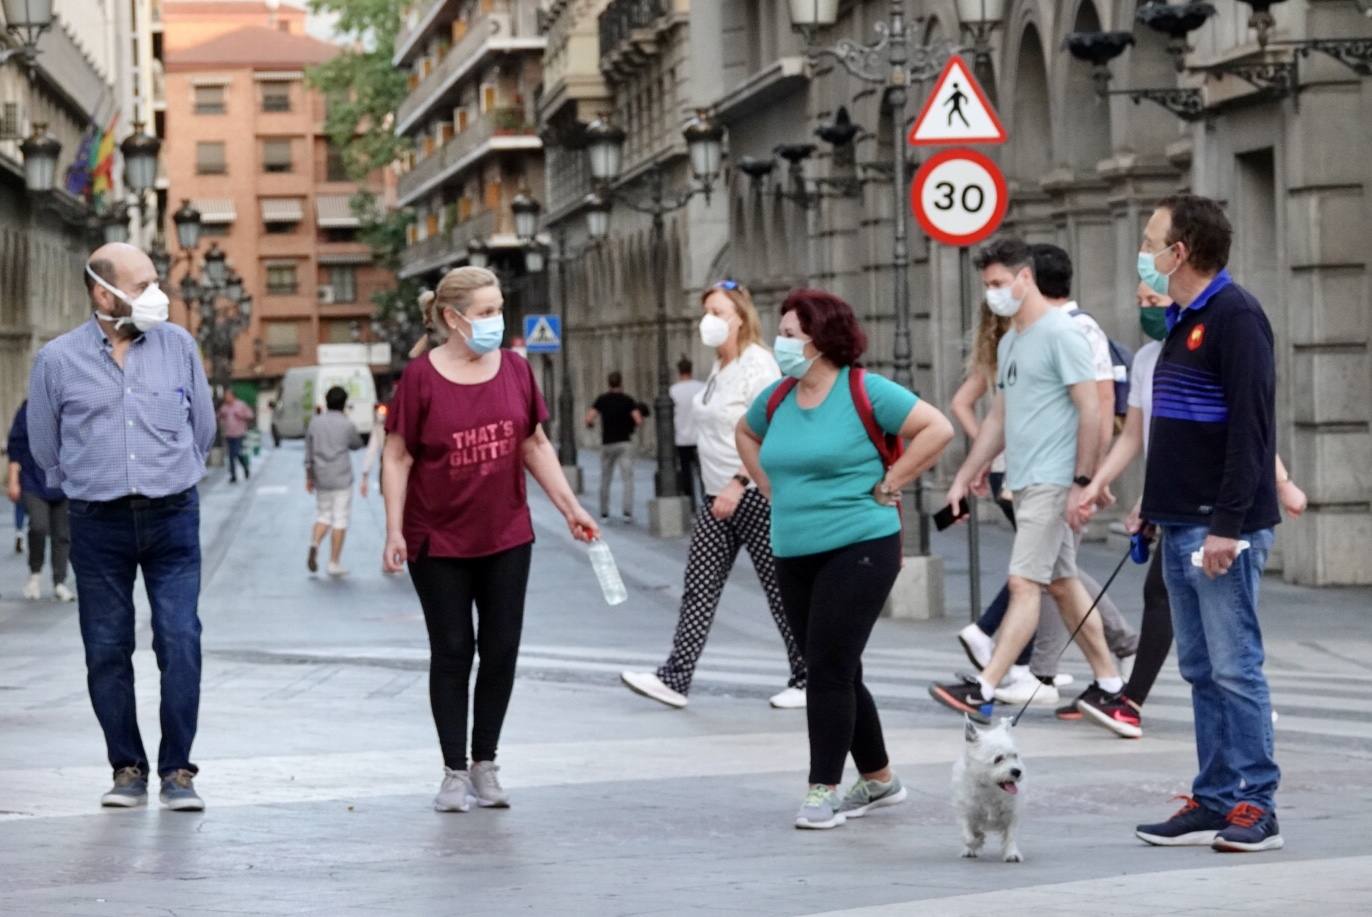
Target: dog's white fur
x,y
989,764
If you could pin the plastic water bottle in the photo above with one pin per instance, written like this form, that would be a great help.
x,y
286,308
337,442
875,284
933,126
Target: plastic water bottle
x,y
607,573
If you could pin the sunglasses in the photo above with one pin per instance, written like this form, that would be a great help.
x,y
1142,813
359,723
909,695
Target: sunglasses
x,y
729,285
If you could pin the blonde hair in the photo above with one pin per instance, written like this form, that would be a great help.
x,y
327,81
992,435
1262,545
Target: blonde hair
x,y
456,288
981,356
750,325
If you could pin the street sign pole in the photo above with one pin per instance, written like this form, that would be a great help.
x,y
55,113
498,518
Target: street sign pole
x,y
973,525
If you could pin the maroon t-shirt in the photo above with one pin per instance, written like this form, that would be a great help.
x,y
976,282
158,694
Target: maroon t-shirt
x,y
466,495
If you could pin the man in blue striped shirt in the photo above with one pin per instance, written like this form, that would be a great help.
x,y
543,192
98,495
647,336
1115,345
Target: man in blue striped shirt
x,y
121,418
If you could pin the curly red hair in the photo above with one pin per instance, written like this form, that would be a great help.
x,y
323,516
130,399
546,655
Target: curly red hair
x,y
830,323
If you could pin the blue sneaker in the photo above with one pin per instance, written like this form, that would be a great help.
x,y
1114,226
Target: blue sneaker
x,y
1250,829
178,792
965,698
1193,826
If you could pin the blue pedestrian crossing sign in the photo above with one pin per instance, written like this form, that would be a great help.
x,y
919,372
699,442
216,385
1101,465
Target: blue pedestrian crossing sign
x,y
542,333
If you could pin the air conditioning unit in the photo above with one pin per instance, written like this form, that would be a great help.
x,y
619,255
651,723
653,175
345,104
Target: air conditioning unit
x,y
325,294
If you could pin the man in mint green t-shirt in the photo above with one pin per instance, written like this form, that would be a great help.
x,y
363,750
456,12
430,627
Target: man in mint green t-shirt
x,y
1045,417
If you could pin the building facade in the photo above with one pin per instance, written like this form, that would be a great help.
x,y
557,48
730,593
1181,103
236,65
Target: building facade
x,y
45,238
474,69
246,146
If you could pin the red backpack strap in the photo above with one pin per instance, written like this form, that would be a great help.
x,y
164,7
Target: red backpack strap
x,y
888,445
778,396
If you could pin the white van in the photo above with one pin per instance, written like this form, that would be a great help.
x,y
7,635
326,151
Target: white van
x,y
303,390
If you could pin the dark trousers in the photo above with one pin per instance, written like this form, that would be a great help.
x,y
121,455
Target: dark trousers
x,y
236,454
688,472
448,588
48,520
110,542
1155,633
832,600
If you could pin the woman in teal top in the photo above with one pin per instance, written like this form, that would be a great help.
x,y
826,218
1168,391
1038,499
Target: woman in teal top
x,y
836,531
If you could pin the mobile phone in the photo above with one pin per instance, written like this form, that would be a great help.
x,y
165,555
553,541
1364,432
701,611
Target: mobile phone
x,y
945,517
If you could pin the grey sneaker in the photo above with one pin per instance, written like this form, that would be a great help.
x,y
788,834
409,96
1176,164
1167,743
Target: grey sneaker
x,y
867,795
489,793
178,792
130,789
820,809
456,794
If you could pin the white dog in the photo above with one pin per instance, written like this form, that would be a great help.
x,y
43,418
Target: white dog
x,y
986,788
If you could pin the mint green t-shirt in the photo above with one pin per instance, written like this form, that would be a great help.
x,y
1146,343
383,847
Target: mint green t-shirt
x,y
823,466
1036,369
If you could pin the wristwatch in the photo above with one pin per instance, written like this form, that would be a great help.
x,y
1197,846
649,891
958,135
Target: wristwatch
x,y
742,479
1082,480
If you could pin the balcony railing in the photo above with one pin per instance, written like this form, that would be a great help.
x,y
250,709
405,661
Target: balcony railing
x,y
500,122
623,16
482,226
407,33
461,56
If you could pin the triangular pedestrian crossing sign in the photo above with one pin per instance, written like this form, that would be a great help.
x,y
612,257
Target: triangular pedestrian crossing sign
x,y
957,111
543,335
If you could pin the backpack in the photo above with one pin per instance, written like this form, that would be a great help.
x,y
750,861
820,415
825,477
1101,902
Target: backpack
x,y
1121,361
888,445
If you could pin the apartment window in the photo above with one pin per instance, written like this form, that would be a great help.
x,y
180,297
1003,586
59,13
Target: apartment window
x,y
281,279
282,338
214,230
276,96
209,100
339,332
276,156
338,234
335,168
488,98
343,279
210,159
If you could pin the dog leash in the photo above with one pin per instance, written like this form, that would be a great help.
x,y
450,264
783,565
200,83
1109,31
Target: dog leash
x,y
1082,623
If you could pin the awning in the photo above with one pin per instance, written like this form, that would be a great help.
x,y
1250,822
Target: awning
x,y
333,211
339,258
282,210
214,210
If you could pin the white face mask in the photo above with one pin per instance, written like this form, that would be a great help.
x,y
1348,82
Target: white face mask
x,y
1002,300
714,331
149,307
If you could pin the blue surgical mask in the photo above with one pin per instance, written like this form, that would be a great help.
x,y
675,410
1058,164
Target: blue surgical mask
x,y
790,354
487,333
1155,279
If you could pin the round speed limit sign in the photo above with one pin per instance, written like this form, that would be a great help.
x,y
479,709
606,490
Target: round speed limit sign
x,y
959,197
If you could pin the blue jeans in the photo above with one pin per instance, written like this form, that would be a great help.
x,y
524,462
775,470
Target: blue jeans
x,y
236,454
109,542
1219,652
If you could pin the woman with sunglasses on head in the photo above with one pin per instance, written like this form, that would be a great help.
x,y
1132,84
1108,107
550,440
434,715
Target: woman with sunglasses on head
x,y
735,514
834,473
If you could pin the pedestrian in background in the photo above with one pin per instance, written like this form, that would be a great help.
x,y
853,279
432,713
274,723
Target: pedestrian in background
x,y
121,418
234,417
464,427
735,514
375,448
46,507
620,417
329,441
1209,485
836,529
683,393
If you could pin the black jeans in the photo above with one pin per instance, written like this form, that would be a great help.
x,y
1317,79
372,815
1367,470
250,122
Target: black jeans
x,y
48,520
688,472
448,587
1155,633
832,600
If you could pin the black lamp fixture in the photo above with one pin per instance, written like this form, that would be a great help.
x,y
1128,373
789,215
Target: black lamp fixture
x,y
40,150
526,210
597,216
1261,19
26,20
755,168
114,223
478,253
233,285
535,257
1177,21
705,145
1098,49
140,151
215,266
187,220
161,258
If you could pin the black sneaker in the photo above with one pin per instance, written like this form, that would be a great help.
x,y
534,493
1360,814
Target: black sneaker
x,y
1192,826
1250,829
964,697
1121,716
1093,693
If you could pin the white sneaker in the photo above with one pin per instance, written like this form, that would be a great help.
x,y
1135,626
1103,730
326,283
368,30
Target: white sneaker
x,y
456,794
789,699
62,593
337,569
1062,679
33,589
1021,689
976,645
649,685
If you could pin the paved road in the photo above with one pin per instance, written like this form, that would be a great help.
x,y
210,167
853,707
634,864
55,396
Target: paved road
x,y
318,757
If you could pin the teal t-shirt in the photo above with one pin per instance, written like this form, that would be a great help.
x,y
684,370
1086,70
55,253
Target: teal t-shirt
x,y
823,466
1036,369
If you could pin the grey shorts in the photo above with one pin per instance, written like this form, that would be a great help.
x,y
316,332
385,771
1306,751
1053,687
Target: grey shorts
x,y
1045,549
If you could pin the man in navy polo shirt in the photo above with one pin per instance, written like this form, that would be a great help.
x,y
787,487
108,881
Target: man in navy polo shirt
x,y
1209,485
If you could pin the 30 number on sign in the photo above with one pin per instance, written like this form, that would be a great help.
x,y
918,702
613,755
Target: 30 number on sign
x,y
959,197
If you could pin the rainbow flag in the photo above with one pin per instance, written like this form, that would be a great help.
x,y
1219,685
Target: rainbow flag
x,y
102,163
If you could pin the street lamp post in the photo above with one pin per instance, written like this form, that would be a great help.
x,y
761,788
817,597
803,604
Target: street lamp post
x,y
605,151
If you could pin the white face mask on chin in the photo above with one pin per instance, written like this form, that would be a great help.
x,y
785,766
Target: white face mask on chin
x,y
150,308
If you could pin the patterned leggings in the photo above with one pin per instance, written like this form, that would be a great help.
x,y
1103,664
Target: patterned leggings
x,y
714,547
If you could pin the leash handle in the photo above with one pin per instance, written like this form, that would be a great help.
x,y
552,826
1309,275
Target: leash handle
x,y
1080,624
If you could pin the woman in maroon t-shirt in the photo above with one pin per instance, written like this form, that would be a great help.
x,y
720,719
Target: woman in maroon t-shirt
x,y
464,425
